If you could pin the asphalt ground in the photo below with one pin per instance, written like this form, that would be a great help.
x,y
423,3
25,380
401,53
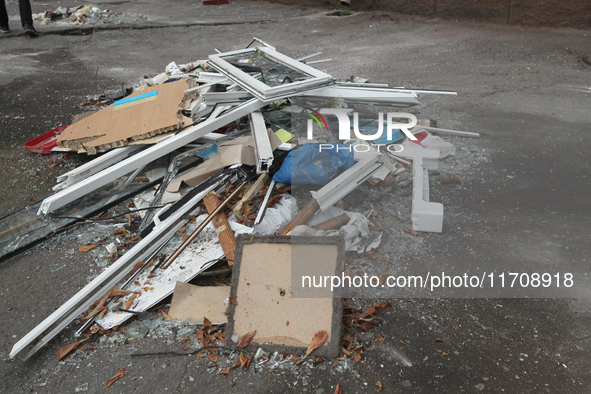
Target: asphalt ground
x,y
526,207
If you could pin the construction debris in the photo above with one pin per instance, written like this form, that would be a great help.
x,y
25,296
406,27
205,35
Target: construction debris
x,y
249,135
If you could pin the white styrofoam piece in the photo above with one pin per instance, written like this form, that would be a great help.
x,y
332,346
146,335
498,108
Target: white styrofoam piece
x,y
426,216
201,254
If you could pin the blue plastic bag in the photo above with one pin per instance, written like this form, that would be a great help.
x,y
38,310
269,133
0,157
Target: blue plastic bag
x,y
312,165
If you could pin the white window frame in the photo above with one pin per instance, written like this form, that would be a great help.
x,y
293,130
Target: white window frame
x,y
260,90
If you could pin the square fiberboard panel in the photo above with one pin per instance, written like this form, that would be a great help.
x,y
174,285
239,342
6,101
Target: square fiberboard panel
x,y
262,286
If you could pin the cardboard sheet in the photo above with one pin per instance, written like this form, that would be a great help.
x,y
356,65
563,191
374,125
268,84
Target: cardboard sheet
x,y
192,303
142,115
240,150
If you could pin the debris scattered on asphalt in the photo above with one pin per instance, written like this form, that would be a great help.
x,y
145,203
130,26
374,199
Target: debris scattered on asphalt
x,y
212,181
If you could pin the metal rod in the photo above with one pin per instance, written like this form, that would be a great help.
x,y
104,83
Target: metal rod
x,y
201,227
309,56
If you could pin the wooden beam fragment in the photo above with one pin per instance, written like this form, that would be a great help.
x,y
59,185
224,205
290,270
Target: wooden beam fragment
x,y
333,223
222,226
252,192
302,217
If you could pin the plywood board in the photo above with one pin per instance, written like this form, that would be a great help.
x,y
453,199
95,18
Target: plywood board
x,y
262,286
192,303
142,115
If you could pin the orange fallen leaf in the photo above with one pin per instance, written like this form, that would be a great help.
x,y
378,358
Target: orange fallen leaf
x,y
87,247
213,357
224,371
453,111
98,308
117,376
129,302
199,355
380,385
165,315
374,309
119,293
63,352
319,338
402,342
246,339
338,389
233,301
345,351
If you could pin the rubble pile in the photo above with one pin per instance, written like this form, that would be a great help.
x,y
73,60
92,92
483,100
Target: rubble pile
x,y
209,169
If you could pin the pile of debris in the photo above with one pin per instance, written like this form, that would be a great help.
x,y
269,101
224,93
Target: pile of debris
x,y
88,14
207,170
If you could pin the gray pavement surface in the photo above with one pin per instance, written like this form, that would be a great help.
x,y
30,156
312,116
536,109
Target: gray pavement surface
x,y
527,90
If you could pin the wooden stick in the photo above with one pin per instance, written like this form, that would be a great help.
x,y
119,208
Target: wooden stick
x,y
305,214
333,223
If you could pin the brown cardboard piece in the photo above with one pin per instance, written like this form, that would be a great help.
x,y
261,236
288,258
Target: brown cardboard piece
x,y
117,125
240,150
262,287
192,303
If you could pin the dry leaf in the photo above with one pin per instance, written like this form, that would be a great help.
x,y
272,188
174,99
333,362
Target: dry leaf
x,y
287,323
402,342
246,339
199,355
453,111
233,301
119,293
63,352
368,325
379,338
345,351
117,376
224,371
87,247
213,357
206,323
374,309
439,340
319,338
130,301
165,315
98,308
89,347
338,389
357,356
380,385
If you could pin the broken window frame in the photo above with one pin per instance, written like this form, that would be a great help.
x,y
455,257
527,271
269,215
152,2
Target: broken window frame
x,y
259,89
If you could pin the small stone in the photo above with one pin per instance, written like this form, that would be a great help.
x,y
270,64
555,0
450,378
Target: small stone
x,y
406,383
32,173
320,391
447,178
389,180
479,386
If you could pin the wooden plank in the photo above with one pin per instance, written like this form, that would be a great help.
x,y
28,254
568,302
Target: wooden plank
x,y
222,227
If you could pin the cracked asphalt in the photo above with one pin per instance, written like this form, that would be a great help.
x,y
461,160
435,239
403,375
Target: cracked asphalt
x,y
526,207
